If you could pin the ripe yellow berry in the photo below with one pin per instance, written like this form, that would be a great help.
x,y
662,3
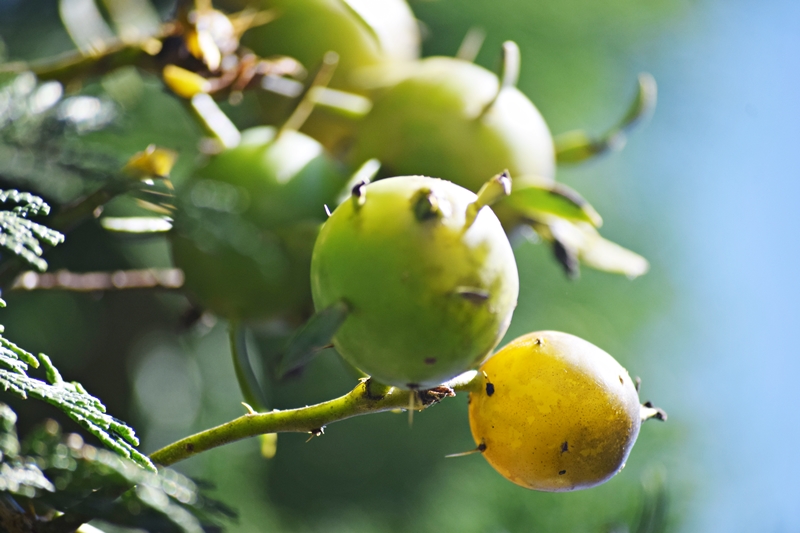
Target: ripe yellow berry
x,y
556,414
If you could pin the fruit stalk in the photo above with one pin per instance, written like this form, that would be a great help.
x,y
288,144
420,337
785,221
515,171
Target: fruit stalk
x,y
367,397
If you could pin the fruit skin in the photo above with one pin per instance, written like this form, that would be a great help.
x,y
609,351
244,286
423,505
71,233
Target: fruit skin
x,y
363,33
249,255
562,414
428,298
437,128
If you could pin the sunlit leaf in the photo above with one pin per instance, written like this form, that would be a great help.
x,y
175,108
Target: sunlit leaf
x,y
583,240
532,199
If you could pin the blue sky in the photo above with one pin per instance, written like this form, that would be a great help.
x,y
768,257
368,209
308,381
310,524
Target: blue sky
x,y
726,185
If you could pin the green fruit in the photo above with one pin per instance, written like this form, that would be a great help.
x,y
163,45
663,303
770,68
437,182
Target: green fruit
x,y
431,286
557,413
252,215
363,33
448,120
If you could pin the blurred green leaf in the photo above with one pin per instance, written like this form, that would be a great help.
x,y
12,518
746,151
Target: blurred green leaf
x,y
581,241
533,199
73,482
576,146
314,337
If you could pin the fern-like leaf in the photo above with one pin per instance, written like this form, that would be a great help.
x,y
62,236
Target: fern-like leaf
x,y
22,236
62,474
71,398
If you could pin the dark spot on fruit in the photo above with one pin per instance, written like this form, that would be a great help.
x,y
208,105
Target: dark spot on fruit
x,y
537,341
430,360
473,294
622,381
562,472
489,389
425,205
482,447
564,447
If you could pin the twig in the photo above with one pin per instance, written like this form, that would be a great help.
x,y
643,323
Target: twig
x,y
368,397
148,278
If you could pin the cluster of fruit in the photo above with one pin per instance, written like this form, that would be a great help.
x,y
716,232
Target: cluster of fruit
x,y
422,265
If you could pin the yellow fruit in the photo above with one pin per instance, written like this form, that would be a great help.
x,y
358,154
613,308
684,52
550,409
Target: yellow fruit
x,y
556,414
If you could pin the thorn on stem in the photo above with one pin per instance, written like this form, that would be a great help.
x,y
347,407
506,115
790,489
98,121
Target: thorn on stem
x,y
316,432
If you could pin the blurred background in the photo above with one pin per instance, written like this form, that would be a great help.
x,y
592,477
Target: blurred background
x,y
706,190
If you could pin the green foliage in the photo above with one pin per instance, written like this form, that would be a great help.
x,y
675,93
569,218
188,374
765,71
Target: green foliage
x,y
39,128
51,472
71,398
20,235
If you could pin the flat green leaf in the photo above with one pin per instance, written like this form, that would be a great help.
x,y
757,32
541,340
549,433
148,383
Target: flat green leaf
x,y
252,392
315,336
535,199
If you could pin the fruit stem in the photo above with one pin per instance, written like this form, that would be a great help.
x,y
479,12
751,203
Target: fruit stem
x,y
647,412
367,397
469,381
306,105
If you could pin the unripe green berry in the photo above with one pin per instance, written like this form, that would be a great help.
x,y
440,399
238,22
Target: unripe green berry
x,y
252,216
362,32
448,120
430,282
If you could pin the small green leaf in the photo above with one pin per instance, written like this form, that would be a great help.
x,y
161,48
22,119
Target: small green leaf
x,y
535,199
315,336
575,146
245,375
